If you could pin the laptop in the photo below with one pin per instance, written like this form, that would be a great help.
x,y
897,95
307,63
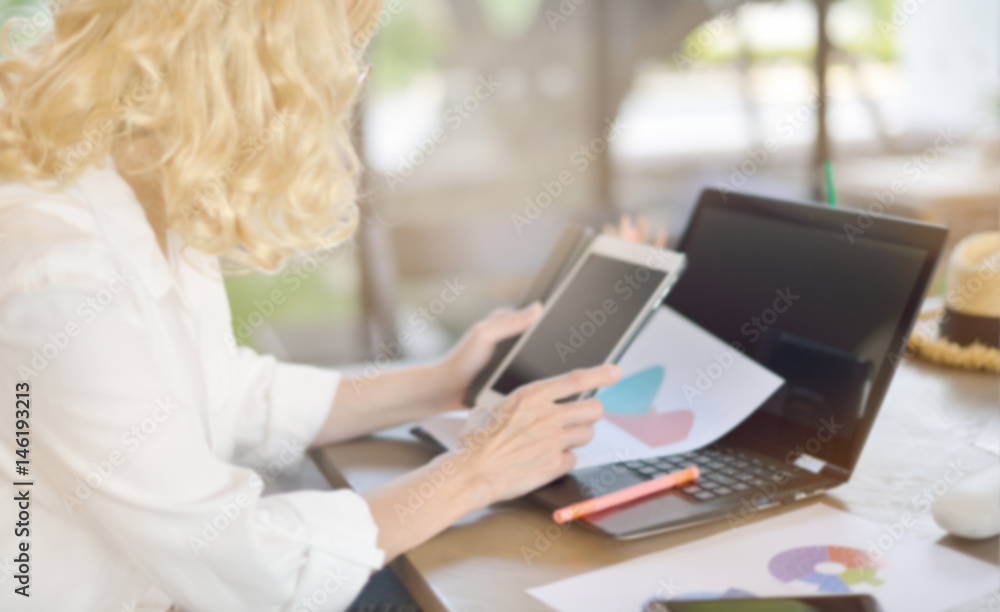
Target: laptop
x,y
823,297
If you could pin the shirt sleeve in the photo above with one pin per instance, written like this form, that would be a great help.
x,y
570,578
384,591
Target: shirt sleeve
x,y
276,409
126,457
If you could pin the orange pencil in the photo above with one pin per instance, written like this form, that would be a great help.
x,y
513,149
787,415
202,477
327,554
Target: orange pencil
x,y
675,479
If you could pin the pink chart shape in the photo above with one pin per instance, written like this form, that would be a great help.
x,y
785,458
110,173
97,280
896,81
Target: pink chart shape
x,y
629,405
656,428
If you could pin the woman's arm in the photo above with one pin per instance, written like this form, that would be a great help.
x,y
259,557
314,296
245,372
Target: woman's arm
x,y
162,504
371,401
506,452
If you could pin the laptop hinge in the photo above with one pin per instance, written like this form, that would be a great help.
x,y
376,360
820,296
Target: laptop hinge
x,y
818,466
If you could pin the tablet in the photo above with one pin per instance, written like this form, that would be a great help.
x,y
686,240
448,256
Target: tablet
x,y
591,316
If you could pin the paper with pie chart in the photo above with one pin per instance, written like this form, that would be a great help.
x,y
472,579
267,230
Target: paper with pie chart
x,y
682,388
816,550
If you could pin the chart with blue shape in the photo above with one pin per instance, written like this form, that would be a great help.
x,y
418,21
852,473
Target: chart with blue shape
x,y
681,389
630,404
833,569
633,395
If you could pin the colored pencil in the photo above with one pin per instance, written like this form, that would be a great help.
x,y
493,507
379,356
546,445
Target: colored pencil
x,y
617,498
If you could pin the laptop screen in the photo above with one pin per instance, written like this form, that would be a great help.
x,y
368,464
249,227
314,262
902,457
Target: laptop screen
x,y
814,301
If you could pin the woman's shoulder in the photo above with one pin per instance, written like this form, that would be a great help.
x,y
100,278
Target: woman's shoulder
x,y
49,237
44,209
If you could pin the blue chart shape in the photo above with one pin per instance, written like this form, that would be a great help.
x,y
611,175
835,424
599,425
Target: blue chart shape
x,y
827,583
633,394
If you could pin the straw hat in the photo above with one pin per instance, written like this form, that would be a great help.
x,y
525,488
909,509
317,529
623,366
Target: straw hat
x,y
966,332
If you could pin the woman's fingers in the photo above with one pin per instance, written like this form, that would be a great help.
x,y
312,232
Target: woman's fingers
x,y
626,230
642,229
577,436
587,412
568,461
660,241
578,381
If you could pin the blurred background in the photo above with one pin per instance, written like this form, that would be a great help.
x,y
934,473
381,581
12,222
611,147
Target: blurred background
x,y
486,125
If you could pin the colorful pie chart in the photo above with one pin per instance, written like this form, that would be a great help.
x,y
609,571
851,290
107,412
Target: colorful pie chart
x,y
810,564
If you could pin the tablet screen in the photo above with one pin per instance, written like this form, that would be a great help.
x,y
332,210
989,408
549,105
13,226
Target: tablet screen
x,y
586,321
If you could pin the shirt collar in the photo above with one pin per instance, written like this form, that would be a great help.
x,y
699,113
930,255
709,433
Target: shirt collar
x,y
123,221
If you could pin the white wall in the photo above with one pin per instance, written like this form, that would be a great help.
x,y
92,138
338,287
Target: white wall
x,y
950,51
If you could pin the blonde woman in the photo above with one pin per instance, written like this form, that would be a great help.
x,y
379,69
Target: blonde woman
x,y
140,143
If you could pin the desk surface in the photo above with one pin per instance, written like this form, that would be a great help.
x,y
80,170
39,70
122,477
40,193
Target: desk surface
x,y
930,418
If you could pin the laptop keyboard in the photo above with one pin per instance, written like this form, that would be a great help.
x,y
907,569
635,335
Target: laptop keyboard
x,y
723,472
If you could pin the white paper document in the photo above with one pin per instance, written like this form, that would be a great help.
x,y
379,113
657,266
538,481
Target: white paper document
x,y
681,389
817,550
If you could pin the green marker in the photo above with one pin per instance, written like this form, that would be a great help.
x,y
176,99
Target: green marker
x,y
831,195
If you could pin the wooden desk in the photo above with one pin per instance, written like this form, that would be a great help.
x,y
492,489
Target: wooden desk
x,y
931,417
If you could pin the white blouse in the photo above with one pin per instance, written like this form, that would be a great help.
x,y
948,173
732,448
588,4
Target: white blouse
x,y
145,421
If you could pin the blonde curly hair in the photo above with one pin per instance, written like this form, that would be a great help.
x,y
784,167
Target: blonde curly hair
x,y
248,101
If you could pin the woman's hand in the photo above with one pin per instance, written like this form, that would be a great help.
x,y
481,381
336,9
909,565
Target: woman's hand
x,y
528,439
378,398
457,369
507,451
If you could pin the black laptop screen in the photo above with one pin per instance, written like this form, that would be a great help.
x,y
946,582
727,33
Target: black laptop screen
x,y
817,306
